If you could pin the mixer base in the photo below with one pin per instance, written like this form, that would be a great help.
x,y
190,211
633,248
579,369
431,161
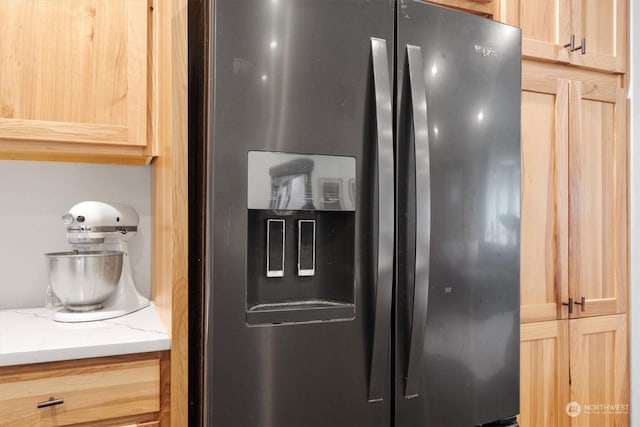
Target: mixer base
x,y
65,315
82,308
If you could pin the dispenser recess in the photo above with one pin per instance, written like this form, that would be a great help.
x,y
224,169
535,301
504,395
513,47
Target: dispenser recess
x,y
300,237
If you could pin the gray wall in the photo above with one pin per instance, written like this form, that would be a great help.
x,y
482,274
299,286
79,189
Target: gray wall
x,y
33,197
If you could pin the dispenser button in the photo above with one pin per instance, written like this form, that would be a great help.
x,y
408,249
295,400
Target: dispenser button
x,y
275,248
306,247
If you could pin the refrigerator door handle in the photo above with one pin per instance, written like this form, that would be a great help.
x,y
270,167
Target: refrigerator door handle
x,y
385,230
423,221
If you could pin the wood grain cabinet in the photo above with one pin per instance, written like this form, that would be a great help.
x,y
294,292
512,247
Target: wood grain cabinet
x,y
113,391
599,371
574,194
487,8
586,33
74,80
574,226
549,26
574,245
574,373
544,373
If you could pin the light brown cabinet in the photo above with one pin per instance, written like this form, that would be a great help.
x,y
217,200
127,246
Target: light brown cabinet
x,y
574,244
118,390
544,373
488,8
574,194
74,80
106,81
598,197
574,373
544,199
599,372
548,26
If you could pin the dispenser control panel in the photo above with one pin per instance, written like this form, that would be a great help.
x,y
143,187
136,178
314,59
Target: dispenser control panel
x,y
301,237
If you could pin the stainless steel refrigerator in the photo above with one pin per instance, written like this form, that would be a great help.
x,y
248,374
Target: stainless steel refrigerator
x,y
355,215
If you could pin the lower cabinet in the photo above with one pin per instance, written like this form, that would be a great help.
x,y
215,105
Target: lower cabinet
x,y
109,391
575,373
544,373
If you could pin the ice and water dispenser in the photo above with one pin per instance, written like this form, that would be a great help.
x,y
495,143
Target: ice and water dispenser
x,y
301,237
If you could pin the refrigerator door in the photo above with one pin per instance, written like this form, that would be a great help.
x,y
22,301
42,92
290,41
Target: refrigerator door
x,y
457,278
300,251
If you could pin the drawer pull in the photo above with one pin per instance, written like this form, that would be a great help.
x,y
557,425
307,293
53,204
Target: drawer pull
x,y
51,402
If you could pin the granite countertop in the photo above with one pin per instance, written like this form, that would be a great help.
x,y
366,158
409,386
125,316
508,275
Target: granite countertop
x,y
31,336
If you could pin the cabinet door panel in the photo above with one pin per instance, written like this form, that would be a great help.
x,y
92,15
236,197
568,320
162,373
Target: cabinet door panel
x,y
597,200
545,26
603,24
544,376
544,264
599,371
74,71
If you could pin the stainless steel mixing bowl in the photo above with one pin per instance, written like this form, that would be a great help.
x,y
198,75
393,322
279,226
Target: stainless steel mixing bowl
x,y
84,280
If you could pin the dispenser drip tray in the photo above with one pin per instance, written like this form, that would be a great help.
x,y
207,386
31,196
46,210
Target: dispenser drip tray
x,y
299,311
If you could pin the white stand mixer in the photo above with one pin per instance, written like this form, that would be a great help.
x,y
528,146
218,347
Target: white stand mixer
x,y
93,224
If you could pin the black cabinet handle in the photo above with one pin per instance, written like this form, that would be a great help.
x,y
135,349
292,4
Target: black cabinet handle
x,y
582,303
572,45
582,48
569,304
51,402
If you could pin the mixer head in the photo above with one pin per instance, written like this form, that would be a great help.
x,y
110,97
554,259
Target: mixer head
x,y
91,222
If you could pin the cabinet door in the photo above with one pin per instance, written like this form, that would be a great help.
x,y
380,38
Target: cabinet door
x,y
603,25
598,197
73,72
479,7
544,376
545,26
599,371
544,239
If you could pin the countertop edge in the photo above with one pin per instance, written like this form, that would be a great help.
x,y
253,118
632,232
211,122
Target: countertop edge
x,y
29,336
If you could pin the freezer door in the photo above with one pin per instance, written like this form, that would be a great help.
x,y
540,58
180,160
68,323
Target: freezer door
x,y
458,190
300,258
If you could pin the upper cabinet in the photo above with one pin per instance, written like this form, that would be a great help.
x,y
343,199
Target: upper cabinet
x,y
574,224
488,8
586,33
74,80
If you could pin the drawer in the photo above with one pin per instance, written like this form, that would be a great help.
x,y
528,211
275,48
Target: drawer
x,y
89,393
